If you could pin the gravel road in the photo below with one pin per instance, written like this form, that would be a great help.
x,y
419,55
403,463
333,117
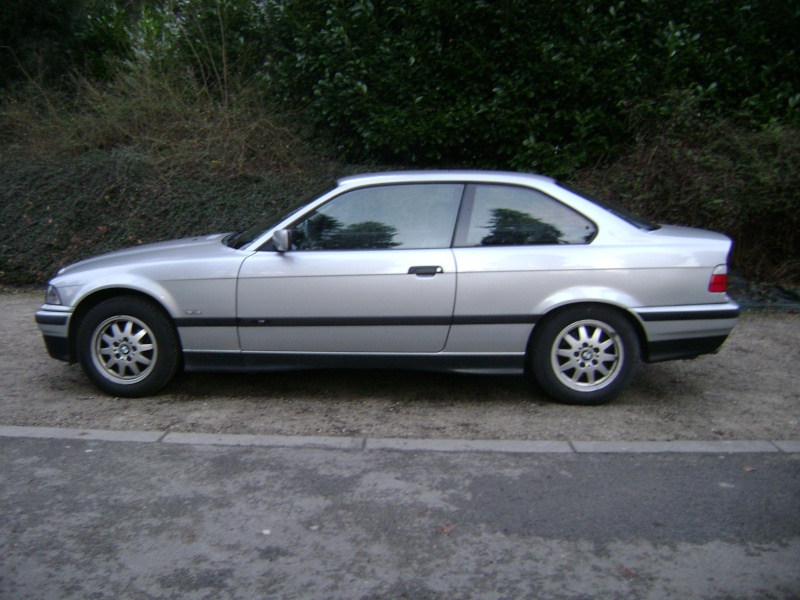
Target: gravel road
x,y
750,390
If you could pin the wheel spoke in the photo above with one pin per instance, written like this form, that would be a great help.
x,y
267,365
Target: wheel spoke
x,y
115,366
609,343
116,332
143,360
568,366
605,357
573,343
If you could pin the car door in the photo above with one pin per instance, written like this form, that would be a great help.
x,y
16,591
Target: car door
x,y
369,271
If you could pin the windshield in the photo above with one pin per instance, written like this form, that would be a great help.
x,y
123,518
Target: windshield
x,y
239,239
614,209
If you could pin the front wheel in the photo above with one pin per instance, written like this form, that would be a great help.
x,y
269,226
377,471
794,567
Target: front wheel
x,y
128,347
584,355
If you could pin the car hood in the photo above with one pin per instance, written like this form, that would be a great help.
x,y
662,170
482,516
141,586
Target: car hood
x,y
199,247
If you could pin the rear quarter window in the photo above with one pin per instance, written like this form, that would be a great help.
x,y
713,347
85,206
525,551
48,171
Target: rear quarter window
x,y
615,209
505,215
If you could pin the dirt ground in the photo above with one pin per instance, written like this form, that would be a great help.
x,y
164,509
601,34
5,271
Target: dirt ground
x,y
750,390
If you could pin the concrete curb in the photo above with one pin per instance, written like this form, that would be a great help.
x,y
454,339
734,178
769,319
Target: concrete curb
x,y
275,441
59,433
408,445
508,446
690,446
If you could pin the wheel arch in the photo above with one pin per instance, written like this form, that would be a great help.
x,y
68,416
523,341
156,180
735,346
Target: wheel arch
x,y
88,302
641,336
573,377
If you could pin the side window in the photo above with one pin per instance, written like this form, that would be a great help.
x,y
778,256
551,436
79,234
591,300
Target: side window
x,y
504,215
383,217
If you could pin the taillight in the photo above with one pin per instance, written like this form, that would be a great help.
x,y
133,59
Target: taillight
x,y
719,280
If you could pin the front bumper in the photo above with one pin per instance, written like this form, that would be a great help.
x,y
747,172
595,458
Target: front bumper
x,y
53,322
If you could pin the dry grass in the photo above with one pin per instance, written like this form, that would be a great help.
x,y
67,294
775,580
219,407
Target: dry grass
x,y
719,176
166,118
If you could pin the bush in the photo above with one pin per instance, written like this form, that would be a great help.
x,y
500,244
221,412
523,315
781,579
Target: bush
x,y
55,39
165,117
165,129
144,157
720,176
221,43
544,86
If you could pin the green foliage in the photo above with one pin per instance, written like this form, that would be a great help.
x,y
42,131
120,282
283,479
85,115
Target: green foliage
x,y
544,86
51,39
120,120
536,86
221,42
717,175
32,34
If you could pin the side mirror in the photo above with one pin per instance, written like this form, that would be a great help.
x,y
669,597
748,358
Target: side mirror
x,y
282,240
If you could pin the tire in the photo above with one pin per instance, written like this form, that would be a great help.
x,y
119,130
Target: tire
x,y
584,355
128,347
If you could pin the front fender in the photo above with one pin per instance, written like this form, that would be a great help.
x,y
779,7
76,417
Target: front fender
x,y
77,296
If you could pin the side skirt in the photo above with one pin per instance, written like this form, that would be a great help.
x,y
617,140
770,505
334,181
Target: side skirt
x,y
489,364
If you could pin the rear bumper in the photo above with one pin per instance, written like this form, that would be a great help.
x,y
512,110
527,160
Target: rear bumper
x,y
674,332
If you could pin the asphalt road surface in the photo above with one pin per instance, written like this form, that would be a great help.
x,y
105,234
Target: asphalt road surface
x,y
85,518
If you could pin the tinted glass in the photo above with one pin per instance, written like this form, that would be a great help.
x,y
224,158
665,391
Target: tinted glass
x,y
383,217
615,209
505,215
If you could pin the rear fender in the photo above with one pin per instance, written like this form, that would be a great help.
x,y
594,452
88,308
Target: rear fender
x,y
582,294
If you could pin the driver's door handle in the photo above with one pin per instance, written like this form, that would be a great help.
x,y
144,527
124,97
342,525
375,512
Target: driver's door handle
x,y
423,271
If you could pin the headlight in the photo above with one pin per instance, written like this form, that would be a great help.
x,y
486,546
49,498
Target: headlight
x,y
51,296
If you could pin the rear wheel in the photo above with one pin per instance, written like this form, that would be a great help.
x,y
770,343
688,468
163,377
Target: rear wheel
x,y
128,347
584,355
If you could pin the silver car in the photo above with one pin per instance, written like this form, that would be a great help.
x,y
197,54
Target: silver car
x,y
466,271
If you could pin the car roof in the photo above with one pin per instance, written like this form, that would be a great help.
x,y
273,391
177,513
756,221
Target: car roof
x,y
434,176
